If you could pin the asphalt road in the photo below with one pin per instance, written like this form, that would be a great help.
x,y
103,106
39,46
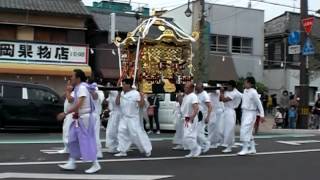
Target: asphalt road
x,y
285,157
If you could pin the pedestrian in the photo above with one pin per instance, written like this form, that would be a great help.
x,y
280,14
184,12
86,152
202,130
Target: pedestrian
x,y
68,103
292,116
130,131
316,113
231,99
153,113
113,123
189,110
284,104
215,127
98,100
278,119
178,136
250,104
205,109
269,104
82,141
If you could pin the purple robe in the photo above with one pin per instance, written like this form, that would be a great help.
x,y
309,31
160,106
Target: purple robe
x,y
82,141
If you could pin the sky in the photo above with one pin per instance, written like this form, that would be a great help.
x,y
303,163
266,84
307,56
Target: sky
x,y
271,11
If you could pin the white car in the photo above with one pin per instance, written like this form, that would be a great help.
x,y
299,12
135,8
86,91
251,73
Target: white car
x,y
167,111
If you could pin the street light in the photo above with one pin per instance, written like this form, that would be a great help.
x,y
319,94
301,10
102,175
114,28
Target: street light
x,y
188,12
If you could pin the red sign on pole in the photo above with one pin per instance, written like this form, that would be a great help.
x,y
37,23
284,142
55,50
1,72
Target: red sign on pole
x,y
307,24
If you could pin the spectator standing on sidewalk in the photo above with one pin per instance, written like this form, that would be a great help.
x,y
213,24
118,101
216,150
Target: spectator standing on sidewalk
x,y
153,113
316,112
284,104
292,116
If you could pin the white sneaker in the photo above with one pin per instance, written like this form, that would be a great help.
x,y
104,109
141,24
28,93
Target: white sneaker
x,y
189,155
121,154
158,132
148,154
252,148
69,166
197,152
206,149
244,150
252,151
94,168
149,132
227,150
178,147
63,151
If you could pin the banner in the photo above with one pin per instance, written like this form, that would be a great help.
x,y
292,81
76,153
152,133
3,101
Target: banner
x,y
28,52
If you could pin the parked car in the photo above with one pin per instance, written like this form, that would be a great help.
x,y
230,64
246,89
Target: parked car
x,y
167,108
25,105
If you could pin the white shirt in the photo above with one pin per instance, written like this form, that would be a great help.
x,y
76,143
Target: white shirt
x,y
251,101
84,92
203,98
234,96
129,103
215,100
112,101
187,103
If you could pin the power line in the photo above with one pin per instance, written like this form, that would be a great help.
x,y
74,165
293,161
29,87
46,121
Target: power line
x,y
282,5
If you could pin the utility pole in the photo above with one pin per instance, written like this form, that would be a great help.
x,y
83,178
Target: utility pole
x,y
199,58
304,75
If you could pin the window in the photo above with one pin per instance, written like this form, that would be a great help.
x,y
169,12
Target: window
x,y
12,92
40,95
50,35
25,33
219,43
8,32
242,45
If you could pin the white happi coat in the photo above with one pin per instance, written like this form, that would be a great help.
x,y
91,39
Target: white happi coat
x,y
113,122
130,130
250,103
67,121
229,117
203,98
190,128
215,127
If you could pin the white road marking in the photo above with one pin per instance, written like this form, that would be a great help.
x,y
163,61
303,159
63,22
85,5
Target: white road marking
x,y
298,143
158,158
81,176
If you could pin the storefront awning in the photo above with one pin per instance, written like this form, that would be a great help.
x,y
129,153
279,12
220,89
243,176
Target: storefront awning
x,y
42,69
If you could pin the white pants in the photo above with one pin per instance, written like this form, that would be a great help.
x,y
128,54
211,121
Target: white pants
x,y
216,127
190,133
247,124
112,131
178,136
229,121
202,140
129,132
65,129
97,134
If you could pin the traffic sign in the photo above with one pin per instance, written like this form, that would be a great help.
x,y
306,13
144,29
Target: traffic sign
x,y
307,24
294,38
308,48
294,49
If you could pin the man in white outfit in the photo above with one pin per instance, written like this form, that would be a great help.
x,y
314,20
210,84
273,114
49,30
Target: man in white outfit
x,y
231,98
204,115
68,103
130,130
250,103
178,136
215,127
98,108
189,111
113,123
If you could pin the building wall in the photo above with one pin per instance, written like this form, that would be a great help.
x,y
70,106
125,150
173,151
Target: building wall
x,y
180,19
42,20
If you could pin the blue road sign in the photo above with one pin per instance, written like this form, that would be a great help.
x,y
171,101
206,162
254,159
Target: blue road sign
x,y
308,48
294,38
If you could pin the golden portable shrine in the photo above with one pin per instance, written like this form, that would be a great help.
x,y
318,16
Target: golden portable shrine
x,y
157,55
